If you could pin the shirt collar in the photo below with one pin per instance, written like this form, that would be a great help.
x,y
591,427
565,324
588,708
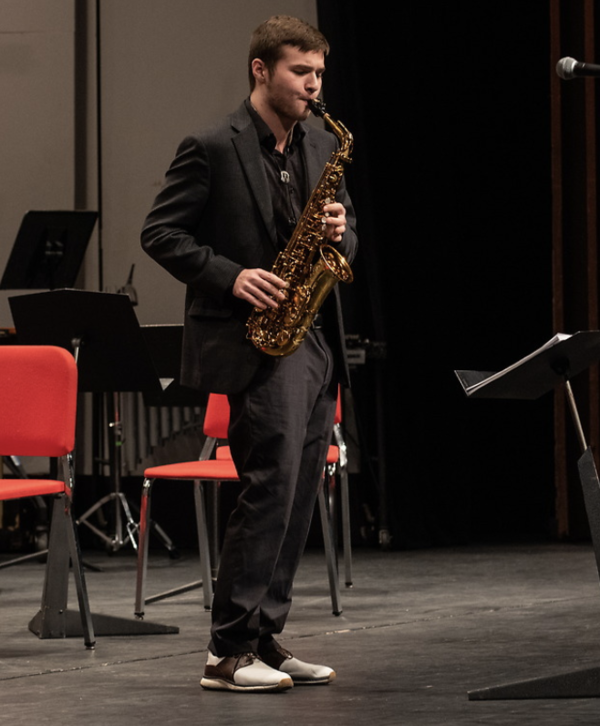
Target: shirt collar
x,y
265,136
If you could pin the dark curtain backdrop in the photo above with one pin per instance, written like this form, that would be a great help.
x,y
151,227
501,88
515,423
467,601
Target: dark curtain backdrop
x,y
449,104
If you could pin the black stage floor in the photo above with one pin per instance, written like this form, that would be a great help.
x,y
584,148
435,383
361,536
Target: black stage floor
x,y
419,630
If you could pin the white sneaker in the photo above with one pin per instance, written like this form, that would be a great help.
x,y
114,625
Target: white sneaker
x,y
243,672
303,674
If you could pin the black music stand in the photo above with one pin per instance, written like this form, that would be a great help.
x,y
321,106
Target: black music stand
x,y
47,253
103,333
556,362
48,250
164,342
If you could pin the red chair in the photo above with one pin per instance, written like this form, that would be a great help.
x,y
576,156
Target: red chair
x,y
337,466
217,470
38,402
336,469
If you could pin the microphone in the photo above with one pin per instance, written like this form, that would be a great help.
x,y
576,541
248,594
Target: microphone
x,y
569,68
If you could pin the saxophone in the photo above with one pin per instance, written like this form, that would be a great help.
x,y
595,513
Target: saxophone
x,y
309,265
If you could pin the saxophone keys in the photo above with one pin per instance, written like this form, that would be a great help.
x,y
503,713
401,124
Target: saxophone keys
x,y
282,338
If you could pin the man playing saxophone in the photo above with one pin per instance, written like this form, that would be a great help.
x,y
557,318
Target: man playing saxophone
x,y
232,198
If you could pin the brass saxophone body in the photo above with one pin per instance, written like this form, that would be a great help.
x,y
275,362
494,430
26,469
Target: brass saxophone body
x,y
308,264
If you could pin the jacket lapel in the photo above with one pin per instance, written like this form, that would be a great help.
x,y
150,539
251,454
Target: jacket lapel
x,y
248,150
312,159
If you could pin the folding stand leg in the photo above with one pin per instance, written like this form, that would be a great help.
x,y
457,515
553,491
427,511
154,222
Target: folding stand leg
x,y
119,500
117,541
123,531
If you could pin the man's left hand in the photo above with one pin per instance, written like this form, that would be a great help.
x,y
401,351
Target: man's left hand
x,y
334,221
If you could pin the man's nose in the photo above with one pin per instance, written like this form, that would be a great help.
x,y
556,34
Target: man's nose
x,y
312,83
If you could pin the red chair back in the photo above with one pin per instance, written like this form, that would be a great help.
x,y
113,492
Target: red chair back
x,y
38,400
216,420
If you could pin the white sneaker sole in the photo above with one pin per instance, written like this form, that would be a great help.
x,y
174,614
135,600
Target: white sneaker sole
x,y
314,681
217,684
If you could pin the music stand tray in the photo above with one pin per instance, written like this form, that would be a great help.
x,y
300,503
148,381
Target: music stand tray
x,y
554,363
48,250
101,328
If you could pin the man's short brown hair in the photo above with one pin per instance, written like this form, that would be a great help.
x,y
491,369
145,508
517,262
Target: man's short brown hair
x,y
269,38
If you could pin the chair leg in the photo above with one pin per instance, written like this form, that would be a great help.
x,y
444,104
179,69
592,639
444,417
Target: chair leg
x,y
342,468
142,558
203,544
330,551
142,562
346,530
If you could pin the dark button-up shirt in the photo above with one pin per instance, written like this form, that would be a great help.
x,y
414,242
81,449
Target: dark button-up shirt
x,y
286,175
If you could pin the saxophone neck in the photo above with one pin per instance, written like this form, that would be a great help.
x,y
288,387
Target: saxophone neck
x,y
344,136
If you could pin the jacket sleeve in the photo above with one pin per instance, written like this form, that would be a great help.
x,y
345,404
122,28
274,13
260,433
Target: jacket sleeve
x,y
170,232
349,243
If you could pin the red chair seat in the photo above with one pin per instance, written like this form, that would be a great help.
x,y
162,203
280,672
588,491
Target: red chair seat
x,y
224,454
211,469
17,488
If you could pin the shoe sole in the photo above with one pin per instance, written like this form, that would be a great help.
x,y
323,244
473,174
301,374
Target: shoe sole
x,y
314,681
217,684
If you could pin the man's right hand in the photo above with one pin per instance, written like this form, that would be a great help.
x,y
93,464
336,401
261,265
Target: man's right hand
x,y
260,288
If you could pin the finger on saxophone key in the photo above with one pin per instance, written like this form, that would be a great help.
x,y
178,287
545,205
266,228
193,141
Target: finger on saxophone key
x,y
259,287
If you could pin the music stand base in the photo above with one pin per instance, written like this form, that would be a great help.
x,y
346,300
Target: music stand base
x,y
577,684
68,625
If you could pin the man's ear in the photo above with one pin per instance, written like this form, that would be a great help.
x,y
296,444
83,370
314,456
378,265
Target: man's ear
x,y
259,70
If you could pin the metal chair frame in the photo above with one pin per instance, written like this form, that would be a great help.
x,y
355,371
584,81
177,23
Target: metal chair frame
x,y
218,470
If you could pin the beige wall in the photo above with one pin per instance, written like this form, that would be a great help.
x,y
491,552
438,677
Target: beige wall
x,y
167,67
37,117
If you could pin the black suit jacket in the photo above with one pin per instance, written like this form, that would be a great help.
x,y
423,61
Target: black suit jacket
x,y
213,218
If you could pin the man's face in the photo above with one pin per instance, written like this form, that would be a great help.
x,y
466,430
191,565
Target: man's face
x,y
296,78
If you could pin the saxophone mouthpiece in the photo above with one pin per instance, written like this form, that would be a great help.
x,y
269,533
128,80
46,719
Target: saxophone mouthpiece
x,y
317,106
